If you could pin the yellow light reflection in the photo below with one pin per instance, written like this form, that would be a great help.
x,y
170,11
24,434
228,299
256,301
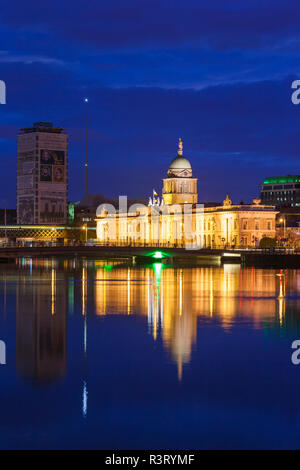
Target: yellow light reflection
x,y
211,294
180,292
128,292
174,299
53,290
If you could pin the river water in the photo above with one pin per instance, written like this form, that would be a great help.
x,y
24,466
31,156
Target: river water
x,y
109,356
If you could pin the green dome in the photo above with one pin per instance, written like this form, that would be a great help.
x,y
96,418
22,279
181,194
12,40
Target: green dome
x,y
180,163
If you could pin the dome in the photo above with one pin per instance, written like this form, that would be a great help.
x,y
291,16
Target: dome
x,y
180,163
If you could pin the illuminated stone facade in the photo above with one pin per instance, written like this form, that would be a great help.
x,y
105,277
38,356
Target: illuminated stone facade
x,y
180,222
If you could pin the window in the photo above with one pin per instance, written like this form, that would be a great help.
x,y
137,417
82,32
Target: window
x,y
256,224
269,225
245,224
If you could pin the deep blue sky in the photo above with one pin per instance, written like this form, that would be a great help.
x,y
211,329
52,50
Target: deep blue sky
x,y
216,73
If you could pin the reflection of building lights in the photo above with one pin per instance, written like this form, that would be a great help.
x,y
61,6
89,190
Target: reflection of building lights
x,y
157,272
281,310
281,297
281,285
53,288
85,335
179,370
84,399
161,302
128,291
149,301
71,295
241,288
155,301
160,292
83,291
211,297
180,293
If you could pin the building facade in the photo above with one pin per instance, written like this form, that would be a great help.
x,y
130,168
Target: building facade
x,y
42,175
179,221
281,191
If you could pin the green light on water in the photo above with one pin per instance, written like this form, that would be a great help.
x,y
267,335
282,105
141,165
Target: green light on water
x,y
108,267
158,254
157,267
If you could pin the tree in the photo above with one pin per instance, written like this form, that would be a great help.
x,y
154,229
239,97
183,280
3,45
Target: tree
x,y
267,242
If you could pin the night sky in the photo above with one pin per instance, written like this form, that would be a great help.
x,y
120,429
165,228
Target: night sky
x,y
217,74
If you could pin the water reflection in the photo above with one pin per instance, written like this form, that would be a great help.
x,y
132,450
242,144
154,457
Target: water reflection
x,y
173,301
41,328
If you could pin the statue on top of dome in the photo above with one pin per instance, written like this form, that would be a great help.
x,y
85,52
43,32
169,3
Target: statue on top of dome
x,y
180,147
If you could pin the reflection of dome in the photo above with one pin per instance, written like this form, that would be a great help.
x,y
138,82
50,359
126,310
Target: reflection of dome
x,y
180,163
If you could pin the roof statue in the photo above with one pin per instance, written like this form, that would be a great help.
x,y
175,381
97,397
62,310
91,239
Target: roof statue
x,y
227,201
180,147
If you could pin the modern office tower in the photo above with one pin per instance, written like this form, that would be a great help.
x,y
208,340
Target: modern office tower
x,y
42,175
281,191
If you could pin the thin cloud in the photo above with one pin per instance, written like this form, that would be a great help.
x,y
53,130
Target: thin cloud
x,y
8,57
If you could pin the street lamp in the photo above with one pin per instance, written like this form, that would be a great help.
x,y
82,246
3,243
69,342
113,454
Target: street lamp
x,y
283,220
85,227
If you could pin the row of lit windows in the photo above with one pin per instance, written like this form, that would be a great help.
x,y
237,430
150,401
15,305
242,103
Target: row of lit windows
x,y
245,224
276,193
